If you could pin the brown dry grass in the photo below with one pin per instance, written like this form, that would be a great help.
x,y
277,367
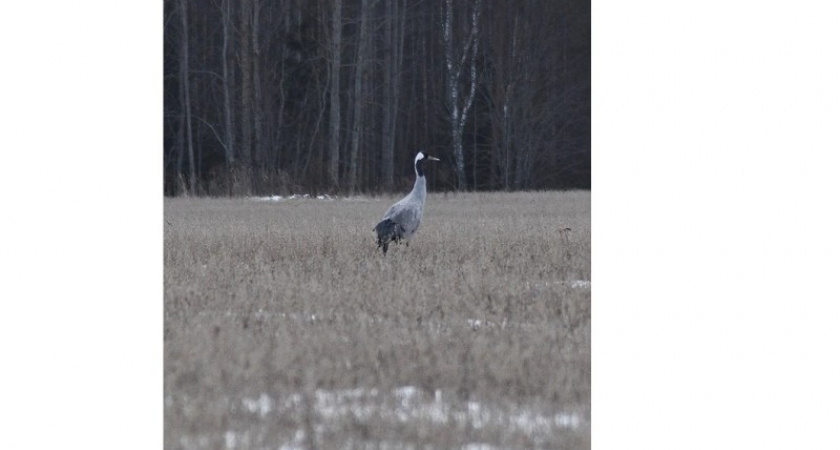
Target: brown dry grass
x,y
284,325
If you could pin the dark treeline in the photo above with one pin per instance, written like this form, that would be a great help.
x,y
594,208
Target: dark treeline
x,y
272,97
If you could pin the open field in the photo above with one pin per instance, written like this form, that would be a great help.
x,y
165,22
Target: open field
x,y
285,327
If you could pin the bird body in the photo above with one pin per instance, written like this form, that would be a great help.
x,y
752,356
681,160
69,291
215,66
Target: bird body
x,y
402,219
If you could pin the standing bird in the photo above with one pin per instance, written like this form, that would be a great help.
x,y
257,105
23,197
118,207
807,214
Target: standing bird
x,y
403,218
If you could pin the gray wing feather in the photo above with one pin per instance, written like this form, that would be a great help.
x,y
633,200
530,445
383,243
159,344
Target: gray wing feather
x,y
405,214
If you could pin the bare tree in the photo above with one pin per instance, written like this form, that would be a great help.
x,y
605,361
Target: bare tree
x,y
358,100
530,107
335,105
259,153
255,95
387,159
504,48
394,32
186,120
459,105
279,84
246,88
226,88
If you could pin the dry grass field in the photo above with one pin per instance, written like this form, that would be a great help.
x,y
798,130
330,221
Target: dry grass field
x,y
286,328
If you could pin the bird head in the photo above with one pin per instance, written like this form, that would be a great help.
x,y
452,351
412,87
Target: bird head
x,y
419,160
424,157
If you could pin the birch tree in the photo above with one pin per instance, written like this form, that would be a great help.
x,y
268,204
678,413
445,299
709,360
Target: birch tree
x,y
256,98
459,103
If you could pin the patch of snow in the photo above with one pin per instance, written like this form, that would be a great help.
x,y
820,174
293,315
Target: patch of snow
x,y
574,284
567,420
478,416
475,323
580,284
270,198
280,198
406,405
263,405
230,439
406,394
297,443
330,404
477,446
537,423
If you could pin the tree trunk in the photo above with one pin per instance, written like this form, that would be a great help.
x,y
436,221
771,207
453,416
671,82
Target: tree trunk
x,y
507,144
394,37
361,55
455,64
259,153
282,95
387,100
397,39
335,105
185,97
226,88
246,89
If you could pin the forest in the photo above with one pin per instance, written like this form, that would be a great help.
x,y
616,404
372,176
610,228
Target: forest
x,y
335,96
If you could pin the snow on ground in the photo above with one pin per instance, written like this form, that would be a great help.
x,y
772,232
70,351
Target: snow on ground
x,y
574,284
474,324
280,198
262,405
407,405
580,284
299,197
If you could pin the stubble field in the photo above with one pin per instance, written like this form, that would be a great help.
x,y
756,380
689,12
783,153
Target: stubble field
x,y
285,327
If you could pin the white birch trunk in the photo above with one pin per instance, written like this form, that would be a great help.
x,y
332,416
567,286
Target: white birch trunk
x,y
460,105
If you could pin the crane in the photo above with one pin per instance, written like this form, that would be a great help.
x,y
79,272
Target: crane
x,y
402,219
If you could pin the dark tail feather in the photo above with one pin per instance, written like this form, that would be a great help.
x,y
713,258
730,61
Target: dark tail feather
x,y
387,231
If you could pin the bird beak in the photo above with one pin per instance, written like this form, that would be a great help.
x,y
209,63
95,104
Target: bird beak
x,y
432,158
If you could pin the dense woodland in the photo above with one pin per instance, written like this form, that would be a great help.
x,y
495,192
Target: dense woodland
x,y
336,96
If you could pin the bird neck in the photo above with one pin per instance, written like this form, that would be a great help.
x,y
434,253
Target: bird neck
x,y
418,168
419,187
